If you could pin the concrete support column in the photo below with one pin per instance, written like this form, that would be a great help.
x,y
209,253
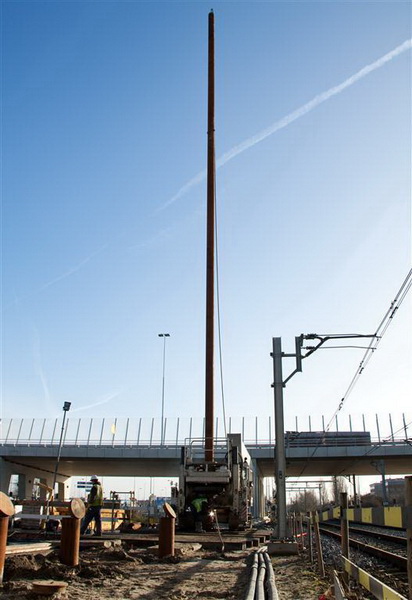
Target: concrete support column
x,y
258,492
43,492
25,486
6,471
255,508
261,498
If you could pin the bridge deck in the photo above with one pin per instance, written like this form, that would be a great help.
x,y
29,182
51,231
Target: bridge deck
x,y
164,461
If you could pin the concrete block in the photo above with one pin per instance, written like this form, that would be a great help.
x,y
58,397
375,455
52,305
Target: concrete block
x,y
282,548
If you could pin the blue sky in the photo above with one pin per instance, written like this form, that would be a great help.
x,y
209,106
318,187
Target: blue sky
x,y
104,117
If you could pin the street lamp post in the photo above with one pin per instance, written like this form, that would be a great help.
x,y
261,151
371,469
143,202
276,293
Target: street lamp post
x,y
162,432
66,408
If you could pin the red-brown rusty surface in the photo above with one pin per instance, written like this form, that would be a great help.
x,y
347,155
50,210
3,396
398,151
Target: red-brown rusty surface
x,y
6,506
48,587
70,542
167,536
210,248
6,511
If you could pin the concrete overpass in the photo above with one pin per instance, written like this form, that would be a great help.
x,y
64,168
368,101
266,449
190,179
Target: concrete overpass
x,y
30,456
163,461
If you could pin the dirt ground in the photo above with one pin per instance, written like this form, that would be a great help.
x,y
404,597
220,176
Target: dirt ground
x,y
138,574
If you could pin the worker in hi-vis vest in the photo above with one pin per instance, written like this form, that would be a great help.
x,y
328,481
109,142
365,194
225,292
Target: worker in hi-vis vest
x,y
199,507
94,506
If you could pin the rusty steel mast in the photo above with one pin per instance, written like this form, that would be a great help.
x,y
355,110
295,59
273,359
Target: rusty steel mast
x,y
210,248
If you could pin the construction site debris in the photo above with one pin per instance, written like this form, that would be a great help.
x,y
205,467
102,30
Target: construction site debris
x,y
106,572
36,548
282,548
115,553
180,549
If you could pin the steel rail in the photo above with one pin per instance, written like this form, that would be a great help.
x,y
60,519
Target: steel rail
x,y
395,559
396,539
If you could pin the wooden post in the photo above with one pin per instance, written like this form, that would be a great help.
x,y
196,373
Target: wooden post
x,y
302,537
70,537
408,503
344,531
321,566
299,532
6,511
167,532
310,542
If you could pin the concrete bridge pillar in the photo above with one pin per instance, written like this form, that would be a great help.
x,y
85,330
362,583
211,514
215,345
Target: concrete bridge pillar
x,y
6,471
43,491
25,486
258,493
61,487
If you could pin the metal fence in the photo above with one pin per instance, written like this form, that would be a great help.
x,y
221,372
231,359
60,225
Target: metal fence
x,y
177,431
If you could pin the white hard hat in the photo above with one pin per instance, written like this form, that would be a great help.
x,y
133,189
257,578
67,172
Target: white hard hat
x,y
94,478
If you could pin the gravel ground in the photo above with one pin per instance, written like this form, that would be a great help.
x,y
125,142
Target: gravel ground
x,y
389,576
121,572
137,574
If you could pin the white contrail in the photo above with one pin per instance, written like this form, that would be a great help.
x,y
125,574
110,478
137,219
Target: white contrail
x,y
293,116
38,366
104,401
71,270
67,273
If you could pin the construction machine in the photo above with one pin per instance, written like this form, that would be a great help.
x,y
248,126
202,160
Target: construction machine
x,y
226,484
215,477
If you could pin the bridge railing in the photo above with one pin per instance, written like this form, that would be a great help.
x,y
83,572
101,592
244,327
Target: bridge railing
x,y
256,431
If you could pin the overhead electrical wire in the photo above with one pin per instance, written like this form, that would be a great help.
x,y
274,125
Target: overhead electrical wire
x,y
387,439
379,333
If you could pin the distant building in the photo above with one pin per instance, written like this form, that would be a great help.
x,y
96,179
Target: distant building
x,y
395,490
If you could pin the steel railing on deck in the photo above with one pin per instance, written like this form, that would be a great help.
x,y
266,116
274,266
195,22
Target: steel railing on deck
x,y
144,432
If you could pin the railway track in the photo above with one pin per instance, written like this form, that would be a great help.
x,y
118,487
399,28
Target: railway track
x,y
389,534
387,566
360,542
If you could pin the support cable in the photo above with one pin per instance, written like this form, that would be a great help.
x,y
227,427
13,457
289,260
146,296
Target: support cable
x,y
218,319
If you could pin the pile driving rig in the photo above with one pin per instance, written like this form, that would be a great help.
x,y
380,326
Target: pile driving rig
x,y
220,474
226,483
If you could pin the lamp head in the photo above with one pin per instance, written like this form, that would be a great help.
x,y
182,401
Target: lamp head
x,y
66,406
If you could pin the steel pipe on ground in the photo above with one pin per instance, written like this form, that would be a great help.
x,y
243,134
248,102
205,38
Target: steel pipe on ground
x,y
70,536
271,590
262,584
250,595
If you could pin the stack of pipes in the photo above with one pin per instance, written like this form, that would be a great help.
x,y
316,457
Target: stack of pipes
x,y
262,584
